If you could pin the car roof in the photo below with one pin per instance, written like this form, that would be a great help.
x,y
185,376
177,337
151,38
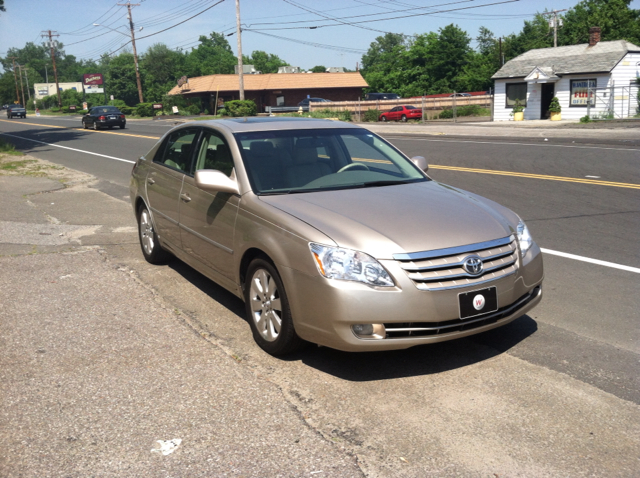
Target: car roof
x,y
253,123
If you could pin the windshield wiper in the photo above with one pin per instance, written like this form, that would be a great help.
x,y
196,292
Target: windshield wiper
x,y
388,182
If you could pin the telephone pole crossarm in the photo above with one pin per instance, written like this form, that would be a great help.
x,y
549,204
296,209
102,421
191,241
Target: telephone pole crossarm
x,y
555,25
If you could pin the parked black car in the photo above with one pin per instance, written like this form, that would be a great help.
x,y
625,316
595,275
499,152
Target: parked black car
x,y
104,117
16,110
305,103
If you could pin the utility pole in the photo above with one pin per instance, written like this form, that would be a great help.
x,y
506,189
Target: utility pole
x,y
50,34
555,25
501,58
15,77
240,65
133,42
21,86
26,75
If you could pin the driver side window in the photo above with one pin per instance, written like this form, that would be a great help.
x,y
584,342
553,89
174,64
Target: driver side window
x,y
177,151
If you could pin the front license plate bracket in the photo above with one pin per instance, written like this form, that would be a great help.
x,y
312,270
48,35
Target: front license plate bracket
x,y
477,302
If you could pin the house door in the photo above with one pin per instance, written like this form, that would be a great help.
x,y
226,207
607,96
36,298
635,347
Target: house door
x,y
547,94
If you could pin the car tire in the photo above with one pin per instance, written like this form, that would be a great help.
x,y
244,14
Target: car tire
x,y
151,248
95,126
85,125
268,310
403,119
110,127
121,126
383,119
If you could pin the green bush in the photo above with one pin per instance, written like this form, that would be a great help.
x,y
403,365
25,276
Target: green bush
x,y
554,106
241,108
193,110
585,119
144,109
372,115
127,110
344,115
118,104
222,112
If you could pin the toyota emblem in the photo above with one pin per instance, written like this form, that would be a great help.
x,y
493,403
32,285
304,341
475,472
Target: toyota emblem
x,y
473,265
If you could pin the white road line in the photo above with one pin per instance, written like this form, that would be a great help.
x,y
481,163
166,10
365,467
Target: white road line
x,y
71,149
546,145
591,261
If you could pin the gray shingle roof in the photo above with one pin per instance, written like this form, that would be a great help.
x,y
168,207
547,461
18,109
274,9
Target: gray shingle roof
x,y
566,60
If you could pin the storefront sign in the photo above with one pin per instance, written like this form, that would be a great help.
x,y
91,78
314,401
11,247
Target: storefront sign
x,y
92,79
157,106
583,92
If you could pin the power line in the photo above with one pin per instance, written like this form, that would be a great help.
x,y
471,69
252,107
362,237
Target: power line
x,y
317,45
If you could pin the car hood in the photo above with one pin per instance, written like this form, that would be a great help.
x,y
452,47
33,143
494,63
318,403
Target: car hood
x,y
383,221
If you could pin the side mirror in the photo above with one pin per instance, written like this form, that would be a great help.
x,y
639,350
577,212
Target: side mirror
x,y
214,181
421,162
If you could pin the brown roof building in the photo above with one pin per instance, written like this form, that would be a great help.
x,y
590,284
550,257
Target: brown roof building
x,y
273,89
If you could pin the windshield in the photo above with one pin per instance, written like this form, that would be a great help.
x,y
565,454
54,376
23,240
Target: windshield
x,y
298,161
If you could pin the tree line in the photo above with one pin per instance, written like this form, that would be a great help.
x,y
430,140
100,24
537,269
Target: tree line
x,y
428,63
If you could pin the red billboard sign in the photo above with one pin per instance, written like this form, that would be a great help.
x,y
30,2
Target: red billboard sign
x,y
92,79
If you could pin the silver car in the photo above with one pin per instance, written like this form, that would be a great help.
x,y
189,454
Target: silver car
x,y
331,235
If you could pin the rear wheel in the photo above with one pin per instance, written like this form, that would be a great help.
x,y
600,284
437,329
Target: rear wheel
x,y
121,126
151,248
85,125
384,119
268,310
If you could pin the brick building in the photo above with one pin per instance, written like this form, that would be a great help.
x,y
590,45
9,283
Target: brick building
x,y
273,89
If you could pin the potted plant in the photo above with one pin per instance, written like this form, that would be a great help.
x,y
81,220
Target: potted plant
x,y
554,109
518,111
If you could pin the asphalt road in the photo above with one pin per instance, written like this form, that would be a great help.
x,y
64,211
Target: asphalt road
x,y
580,198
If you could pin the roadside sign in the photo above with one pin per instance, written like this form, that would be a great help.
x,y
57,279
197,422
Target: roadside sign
x,y
157,106
175,110
85,105
111,97
72,107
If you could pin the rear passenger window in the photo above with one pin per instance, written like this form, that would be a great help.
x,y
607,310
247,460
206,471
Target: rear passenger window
x,y
176,153
214,153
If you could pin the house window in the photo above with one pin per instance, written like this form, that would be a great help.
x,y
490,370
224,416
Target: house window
x,y
580,89
516,91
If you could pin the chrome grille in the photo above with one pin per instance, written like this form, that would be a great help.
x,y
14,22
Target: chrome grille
x,y
443,268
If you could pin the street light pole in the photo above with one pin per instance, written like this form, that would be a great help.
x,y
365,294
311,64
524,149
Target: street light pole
x,y
133,42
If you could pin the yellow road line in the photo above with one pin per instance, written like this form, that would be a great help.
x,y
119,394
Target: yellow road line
x,y
538,176
89,130
35,124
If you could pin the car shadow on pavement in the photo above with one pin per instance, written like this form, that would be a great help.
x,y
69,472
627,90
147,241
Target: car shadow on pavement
x,y
420,360
367,366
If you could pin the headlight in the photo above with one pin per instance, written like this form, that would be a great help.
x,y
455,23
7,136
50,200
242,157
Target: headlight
x,y
345,264
524,238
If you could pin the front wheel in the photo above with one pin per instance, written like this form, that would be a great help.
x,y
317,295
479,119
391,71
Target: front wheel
x,y
95,126
384,119
85,125
403,119
151,248
268,310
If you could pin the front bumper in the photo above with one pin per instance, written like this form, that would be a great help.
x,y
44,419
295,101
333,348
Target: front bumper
x,y
324,310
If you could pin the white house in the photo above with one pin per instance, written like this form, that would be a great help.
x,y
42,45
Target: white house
x,y
595,78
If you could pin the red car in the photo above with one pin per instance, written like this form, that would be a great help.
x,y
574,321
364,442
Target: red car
x,y
401,113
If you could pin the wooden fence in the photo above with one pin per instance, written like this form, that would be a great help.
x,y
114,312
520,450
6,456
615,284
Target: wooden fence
x,y
432,107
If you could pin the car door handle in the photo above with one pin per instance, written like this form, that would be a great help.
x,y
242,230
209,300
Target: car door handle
x,y
151,181
185,197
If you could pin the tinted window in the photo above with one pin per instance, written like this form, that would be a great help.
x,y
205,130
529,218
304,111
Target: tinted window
x,y
177,150
298,161
409,107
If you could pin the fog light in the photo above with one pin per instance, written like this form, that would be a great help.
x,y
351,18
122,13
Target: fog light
x,y
369,331
363,329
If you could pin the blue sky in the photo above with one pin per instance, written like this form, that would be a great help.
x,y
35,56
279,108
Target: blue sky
x,y
340,45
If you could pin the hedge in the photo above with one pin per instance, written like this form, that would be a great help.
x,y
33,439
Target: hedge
x,y
241,108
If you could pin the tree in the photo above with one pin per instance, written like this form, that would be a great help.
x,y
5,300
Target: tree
x,y
384,65
264,62
120,79
614,17
212,56
162,67
319,69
